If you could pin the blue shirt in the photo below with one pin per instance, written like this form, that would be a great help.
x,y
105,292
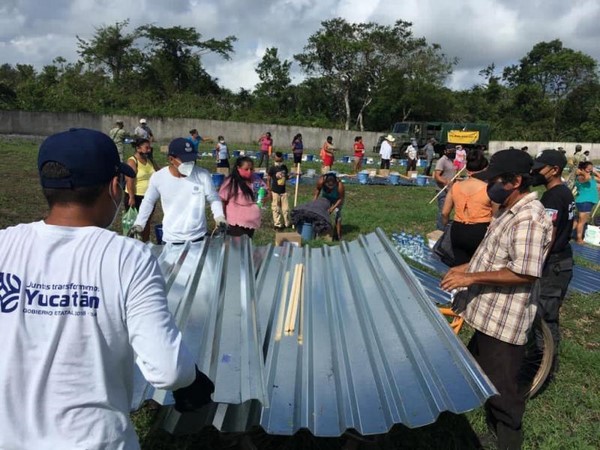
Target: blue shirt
x,y
195,142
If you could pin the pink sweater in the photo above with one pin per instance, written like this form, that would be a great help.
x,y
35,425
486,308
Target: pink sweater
x,y
239,210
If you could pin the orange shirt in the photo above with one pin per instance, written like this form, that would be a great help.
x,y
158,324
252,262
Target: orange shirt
x,y
471,208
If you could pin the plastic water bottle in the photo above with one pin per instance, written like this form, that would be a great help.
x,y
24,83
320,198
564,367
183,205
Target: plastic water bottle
x,y
402,241
409,246
262,192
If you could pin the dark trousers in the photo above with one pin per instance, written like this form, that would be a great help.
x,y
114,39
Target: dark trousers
x,y
411,164
440,202
236,230
501,362
555,280
385,164
264,156
465,240
297,158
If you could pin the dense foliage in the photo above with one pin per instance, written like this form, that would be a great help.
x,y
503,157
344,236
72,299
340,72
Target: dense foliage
x,y
358,76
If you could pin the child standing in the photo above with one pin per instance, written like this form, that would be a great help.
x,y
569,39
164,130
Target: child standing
x,y
277,177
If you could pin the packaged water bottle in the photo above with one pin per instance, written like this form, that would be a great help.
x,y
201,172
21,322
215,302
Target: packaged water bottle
x,y
402,241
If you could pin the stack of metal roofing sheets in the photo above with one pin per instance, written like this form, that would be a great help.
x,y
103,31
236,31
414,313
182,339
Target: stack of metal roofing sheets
x,y
349,337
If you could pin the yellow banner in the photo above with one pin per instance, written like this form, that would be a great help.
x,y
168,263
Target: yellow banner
x,y
463,137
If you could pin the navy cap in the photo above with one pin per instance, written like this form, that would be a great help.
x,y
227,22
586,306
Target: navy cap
x,y
90,156
550,157
507,161
182,149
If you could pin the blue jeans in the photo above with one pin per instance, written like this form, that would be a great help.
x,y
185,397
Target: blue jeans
x,y
440,202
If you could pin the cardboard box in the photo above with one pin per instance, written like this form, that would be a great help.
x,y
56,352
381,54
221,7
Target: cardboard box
x,y
384,173
433,237
412,174
223,170
292,237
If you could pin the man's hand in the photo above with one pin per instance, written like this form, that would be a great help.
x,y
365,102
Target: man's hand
x,y
221,222
457,277
135,230
194,396
131,201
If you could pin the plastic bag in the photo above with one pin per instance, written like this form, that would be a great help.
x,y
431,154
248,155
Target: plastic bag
x,y
128,220
443,247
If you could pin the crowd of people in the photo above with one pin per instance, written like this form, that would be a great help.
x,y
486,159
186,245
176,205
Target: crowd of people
x,y
513,260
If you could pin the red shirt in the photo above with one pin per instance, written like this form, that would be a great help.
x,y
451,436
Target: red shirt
x,y
359,149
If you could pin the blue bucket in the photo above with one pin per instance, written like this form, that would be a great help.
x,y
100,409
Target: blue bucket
x,y
363,177
306,231
158,231
217,179
310,157
421,180
345,159
402,162
394,179
236,153
260,175
285,156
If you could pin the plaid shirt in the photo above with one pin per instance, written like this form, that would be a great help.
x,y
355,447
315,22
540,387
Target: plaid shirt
x,y
518,239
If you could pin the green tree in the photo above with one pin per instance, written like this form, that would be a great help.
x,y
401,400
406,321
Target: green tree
x,y
358,58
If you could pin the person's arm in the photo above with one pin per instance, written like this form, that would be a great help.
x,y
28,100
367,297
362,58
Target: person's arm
x,y
447,209
216,206
131,184
340,200
455,279
437,176
318,188
147,206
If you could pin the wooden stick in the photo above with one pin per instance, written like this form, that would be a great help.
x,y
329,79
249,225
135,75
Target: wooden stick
x,y
301,325
288,315
282,306
297,183
449,183
594,213
290,322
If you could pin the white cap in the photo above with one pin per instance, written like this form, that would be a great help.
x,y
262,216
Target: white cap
x,y
142,120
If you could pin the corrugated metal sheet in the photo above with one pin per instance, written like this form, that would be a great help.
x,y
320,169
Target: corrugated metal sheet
x,y
350,340
211,293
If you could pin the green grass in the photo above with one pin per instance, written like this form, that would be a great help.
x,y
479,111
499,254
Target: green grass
x,y
564,416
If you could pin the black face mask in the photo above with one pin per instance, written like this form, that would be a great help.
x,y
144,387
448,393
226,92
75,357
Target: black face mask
x,y
538,179
497,193
451,155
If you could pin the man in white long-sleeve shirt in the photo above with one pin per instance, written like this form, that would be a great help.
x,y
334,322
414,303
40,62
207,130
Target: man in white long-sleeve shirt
x,y
386,151
77,304
183,189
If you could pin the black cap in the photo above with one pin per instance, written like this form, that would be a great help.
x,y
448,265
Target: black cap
x,y
550,157
90,156
507,161
182,149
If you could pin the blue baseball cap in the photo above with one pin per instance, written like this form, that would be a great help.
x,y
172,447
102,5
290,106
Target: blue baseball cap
x,y
90,156
182,149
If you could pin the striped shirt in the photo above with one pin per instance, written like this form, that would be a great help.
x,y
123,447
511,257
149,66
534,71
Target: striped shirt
x,y
518,239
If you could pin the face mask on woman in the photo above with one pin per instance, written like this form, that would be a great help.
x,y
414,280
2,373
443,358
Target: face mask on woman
x,y
245,173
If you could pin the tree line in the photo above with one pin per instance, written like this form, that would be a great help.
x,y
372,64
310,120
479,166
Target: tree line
x,y
362,76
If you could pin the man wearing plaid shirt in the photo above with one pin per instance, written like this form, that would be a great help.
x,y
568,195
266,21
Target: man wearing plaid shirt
x,y
499,281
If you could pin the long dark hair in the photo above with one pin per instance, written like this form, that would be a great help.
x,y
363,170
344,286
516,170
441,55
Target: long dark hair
x,y
237,183
476,160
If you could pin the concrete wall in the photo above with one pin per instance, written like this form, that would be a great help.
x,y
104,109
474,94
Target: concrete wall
x,y
239,133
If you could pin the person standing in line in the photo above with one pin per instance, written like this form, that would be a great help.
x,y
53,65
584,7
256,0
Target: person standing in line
x,y
277,177
460,158
183,189
473,209
558,268
194,139
237,194
586,156
78,305
411,156
443,174
586,185
118,135
327,155
266,147
297,148
497,289
385,151
137,186
222,153
143,131
429,155
359,153
577,156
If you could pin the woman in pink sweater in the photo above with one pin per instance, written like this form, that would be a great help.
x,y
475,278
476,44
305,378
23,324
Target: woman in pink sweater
x,y
239,201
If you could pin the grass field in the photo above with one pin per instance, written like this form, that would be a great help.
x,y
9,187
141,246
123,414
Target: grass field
x,y
564,416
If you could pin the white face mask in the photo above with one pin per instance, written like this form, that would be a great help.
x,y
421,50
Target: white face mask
x,y
186,168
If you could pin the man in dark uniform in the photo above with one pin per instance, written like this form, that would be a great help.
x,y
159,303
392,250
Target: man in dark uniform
x,y
558,268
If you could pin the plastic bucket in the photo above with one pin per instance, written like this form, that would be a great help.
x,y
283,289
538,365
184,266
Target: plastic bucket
x,y
260,175
394,179
158,231
310,157
402,162
285,156
363,177
237,153
421,180
217,179
306,231
345,159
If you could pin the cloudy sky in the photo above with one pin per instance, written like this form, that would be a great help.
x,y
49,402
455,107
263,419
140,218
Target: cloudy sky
x,y
478,32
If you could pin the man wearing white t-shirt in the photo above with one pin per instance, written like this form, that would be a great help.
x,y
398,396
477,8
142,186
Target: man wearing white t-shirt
x,y
78,304
183,189
386,151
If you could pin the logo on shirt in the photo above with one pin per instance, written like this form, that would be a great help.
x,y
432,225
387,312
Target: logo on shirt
x,y
552,214
10,286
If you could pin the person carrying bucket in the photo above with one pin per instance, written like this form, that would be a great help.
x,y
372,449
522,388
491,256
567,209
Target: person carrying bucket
x,y
332,189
